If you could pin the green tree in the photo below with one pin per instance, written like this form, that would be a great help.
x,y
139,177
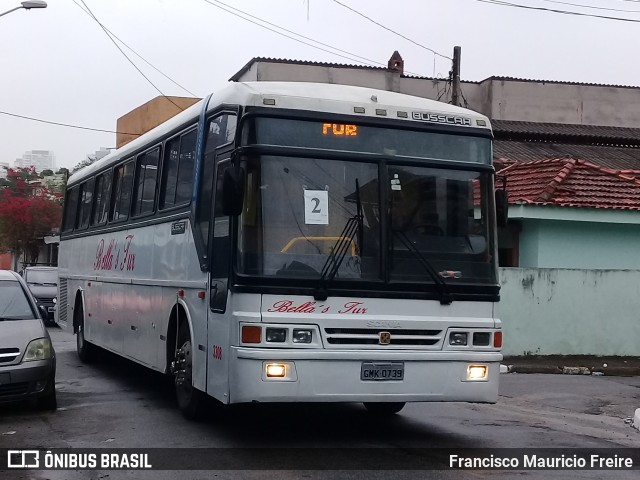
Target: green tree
x,y
46,173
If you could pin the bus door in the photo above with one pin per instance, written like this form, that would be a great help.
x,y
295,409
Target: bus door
x,y
219,318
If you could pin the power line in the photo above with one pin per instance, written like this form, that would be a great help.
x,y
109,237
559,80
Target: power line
x,y
353,57
127,57
65,124
592,7
138,55
392,31
348,55
552,10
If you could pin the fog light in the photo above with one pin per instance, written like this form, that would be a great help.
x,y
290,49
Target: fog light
x,y
302,336
276,370
477,372
458,338
276,334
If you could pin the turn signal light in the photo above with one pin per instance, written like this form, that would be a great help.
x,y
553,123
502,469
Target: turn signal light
x,y
251,334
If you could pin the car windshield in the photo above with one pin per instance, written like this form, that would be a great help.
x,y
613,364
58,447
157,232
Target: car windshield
x,y
14,304
44,277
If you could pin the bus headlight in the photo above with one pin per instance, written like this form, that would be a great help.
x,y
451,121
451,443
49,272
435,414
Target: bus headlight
x,y
276,335
458,338
302,335
477,372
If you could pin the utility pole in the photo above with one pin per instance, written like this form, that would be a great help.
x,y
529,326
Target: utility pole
x,y
455,74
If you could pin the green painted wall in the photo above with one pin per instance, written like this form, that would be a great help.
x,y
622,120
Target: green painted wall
x,y
546,243
570,312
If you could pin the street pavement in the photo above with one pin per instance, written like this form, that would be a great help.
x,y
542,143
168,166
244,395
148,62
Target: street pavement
x,y
117,404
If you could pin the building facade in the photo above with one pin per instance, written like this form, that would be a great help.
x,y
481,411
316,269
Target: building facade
x,y
39,159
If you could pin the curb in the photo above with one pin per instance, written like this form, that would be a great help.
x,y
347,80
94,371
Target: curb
x,y
566,370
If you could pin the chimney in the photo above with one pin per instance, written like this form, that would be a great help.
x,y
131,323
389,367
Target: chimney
x,y
396,64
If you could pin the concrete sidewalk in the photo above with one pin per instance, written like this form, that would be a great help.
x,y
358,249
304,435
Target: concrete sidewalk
x,y
574,365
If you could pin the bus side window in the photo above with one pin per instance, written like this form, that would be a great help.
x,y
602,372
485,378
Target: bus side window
x,y
177,175
221,130
122,183
220,242
145,186
85,197
70,209
101,202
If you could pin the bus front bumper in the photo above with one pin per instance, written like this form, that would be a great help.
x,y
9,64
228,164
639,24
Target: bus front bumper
x,y
337,376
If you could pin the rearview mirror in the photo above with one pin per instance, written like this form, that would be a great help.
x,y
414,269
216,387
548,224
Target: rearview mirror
x,y
232,191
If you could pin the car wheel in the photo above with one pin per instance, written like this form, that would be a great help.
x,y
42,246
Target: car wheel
x,y
387,408
48,400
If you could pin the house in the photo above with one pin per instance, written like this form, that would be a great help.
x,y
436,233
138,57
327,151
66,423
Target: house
x,y
567,213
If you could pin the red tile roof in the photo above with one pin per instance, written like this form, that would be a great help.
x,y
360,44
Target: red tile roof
x,y
572,183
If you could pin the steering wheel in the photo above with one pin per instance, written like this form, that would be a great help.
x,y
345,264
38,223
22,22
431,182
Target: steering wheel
x,y
427,229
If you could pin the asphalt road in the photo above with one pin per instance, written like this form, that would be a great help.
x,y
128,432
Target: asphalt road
x,y
117,404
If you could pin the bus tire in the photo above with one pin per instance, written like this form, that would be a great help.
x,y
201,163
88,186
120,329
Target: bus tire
x,y
86,350
386,408
191,401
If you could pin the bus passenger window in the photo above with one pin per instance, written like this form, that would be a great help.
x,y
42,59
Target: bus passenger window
x,y
121,192
101,203
70,208
177,175
145,188
86,196
184,188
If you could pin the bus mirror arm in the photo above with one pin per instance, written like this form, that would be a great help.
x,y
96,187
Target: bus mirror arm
x,y
502,203
233,192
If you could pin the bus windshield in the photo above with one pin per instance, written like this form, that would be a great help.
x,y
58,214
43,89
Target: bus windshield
x,y
296,209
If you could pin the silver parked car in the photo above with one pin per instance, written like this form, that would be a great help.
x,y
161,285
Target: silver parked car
x,y
27,358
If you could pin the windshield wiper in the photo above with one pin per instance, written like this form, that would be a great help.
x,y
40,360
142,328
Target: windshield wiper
x,y
354,226
445,294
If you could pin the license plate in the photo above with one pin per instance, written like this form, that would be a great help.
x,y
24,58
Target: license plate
x,y
382,371
50,309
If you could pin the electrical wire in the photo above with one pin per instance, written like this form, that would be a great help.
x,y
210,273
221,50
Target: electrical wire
x,y
353,57
392,31
127,57
65,124
348,55
138,55
552,10
592,7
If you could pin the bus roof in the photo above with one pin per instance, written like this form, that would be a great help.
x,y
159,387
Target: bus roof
x,y
318,97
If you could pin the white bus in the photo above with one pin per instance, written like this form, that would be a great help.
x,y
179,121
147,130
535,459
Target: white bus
x,y
294,242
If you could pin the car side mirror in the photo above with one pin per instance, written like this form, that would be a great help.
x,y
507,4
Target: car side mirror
x,y
232,192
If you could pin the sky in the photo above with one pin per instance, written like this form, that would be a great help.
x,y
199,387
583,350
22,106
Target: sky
x,y
59,65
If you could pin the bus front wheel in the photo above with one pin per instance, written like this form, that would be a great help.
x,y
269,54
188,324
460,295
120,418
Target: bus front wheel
x,y
85,349
190,399
387,408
